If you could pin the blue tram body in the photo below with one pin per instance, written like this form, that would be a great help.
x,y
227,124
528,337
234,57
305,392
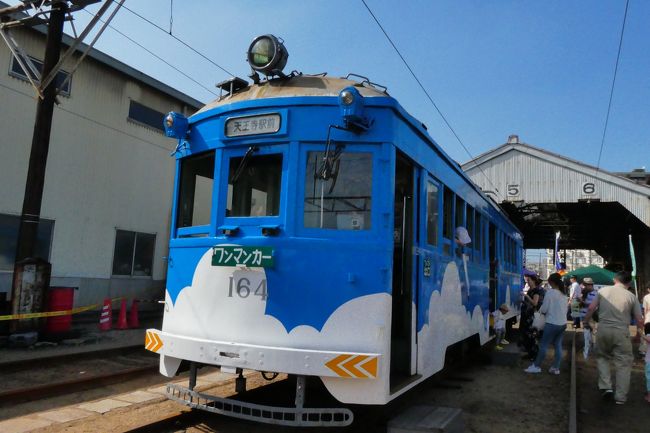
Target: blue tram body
x,y
316,237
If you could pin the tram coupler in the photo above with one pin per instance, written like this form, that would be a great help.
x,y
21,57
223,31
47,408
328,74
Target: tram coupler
x,y
240,382
301,389
193,370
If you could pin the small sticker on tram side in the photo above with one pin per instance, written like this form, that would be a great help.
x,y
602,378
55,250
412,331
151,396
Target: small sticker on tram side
x,y
255,257
427,267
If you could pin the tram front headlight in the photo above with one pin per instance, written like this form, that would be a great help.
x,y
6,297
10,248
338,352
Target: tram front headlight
x,y
268,55
169,121
347,97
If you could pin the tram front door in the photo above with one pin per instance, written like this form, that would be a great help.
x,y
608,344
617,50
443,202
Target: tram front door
x,y
402,332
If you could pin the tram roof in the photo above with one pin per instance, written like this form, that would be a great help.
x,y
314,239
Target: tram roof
x,y
301,85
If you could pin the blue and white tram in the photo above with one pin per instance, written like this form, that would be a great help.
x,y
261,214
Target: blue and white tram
x,y
312,234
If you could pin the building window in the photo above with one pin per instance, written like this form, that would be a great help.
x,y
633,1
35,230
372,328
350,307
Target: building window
x,y
147,116
17,71
133,254
9,240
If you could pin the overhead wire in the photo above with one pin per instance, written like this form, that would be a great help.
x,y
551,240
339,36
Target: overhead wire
x,y
611,91
157,57
453,131
205,57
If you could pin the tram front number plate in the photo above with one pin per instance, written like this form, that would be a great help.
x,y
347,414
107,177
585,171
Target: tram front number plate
x,y
254,257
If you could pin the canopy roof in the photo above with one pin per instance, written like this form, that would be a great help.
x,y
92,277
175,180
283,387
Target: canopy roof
x,y
598,274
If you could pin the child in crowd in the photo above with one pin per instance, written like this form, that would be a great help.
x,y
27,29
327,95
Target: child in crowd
x,y
500,325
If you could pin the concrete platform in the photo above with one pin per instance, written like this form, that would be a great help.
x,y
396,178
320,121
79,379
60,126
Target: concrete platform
x,y
510,356
428,419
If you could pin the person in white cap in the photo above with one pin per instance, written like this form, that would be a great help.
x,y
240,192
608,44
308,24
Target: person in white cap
x,y
587,297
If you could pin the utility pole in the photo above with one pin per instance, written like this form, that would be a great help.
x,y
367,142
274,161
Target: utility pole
x,y
33,197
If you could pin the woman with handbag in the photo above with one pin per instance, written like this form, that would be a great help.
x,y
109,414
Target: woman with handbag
x,y
554,310
532,300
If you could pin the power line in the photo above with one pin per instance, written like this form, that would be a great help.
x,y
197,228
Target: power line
x,y
611,92
179,40
158,57
60,107
427,93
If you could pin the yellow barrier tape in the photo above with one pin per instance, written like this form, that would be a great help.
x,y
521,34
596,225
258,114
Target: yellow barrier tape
x,y
53,313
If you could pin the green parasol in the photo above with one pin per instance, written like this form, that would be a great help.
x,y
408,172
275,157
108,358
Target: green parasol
x,y
599,275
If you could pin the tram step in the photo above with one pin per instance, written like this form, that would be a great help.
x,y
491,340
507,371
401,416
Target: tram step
x,y
429,419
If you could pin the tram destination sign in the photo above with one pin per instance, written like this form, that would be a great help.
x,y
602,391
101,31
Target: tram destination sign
x,y
254,257
253,125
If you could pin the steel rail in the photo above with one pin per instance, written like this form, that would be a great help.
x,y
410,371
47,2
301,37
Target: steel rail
x,y
25,364
71,386
573,420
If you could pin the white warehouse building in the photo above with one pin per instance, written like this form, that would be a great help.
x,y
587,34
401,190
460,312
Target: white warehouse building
x,y
106,204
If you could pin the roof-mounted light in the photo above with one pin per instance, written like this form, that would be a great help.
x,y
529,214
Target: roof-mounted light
x,y
353,109
268,55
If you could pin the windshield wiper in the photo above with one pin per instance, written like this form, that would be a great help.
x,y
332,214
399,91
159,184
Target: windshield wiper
x,y
326,171
243,164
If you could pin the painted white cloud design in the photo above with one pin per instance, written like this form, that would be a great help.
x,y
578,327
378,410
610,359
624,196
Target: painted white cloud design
x,y
211,309
449,322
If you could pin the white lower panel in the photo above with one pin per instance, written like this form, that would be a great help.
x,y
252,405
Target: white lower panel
x,y
264,358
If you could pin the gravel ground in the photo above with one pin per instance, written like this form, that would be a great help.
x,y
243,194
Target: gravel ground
x,y
598,416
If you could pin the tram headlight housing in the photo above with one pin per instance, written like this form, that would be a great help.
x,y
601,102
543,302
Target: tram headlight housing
x,y
267,55
176,125
352,108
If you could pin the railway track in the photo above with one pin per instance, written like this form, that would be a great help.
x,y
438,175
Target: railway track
x,y
38,379
573,397
367,418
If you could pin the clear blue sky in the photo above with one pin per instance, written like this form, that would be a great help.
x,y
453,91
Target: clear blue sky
x,y
542,70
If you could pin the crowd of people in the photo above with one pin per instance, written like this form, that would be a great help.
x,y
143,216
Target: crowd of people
x,y
547,307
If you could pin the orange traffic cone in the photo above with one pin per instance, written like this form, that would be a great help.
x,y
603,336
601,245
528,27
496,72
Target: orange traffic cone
x,y
106,316
121,319
133,315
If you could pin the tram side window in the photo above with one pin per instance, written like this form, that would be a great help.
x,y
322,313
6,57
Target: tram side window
x,y
195,193
344,200
460,212
470,226
254,186
432,214
478,237
448,221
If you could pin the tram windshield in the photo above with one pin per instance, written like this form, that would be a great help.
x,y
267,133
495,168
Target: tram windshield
x,y
195,199
343,201
254,185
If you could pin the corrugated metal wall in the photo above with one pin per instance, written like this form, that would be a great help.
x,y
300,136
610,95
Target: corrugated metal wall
x,y
531,178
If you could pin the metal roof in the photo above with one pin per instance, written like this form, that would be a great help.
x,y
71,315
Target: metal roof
x,y
564,161
529,175
121,67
